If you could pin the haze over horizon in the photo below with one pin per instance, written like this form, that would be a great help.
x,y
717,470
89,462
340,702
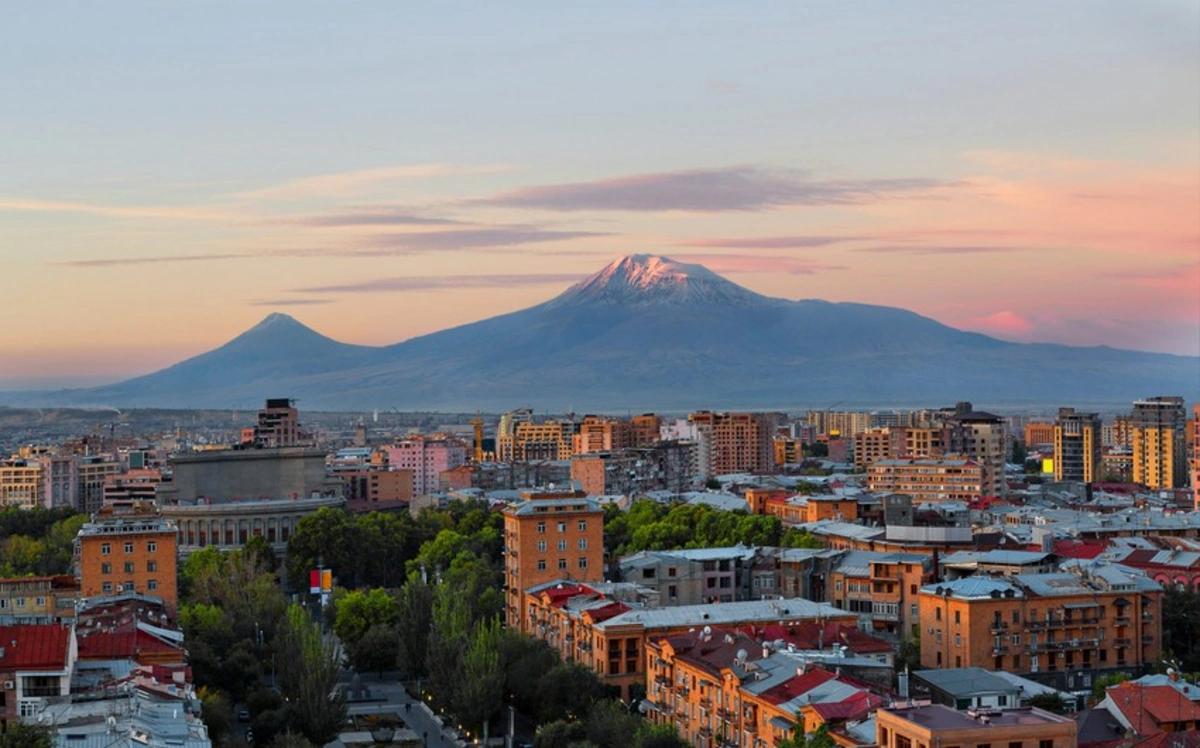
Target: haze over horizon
x,y
1028,171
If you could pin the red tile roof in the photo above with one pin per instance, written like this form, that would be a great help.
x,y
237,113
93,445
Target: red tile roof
x,y
121,645
1084,549
34,647
801,684
1146,708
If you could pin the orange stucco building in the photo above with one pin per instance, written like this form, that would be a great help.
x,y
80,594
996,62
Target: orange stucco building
x,y
938,725
1064,629
128,547
550,537
719,687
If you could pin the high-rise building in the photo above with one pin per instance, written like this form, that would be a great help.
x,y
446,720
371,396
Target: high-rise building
x,y
278,425
598,434
737,442
983,438
1118,432
1076,446
22,483
1159,438
128,547
549,537
870,446
1196,456
645,429
427,457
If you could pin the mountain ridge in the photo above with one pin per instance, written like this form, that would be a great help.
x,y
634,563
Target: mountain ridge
x,y
647,332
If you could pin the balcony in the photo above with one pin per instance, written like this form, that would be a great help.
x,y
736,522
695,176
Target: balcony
x,y
706,702
705,732
999,626
662,680
999,650
1147,638
1122,620
1124,641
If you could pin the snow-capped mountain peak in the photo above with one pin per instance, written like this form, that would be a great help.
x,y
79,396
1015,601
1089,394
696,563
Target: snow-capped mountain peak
x,y
653,279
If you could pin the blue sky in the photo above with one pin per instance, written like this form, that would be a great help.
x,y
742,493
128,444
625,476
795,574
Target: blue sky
x,y
206,155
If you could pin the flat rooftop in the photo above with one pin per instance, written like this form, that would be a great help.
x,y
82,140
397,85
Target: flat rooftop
x,y
939,717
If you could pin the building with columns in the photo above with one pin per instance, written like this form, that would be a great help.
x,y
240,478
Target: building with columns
x,y
226,497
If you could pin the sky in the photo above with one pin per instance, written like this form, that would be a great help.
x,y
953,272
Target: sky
x,y
172,171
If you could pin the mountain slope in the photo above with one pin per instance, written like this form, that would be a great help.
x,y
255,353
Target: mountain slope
x,y
648,332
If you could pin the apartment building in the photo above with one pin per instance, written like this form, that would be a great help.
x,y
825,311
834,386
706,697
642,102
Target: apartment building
x,y
939,725
915,442
529,441
720,687
598,434
128,547
645,429
38,599
1077,446
931,480
550,537
871,446
880,588
1062,629
426,457
36,662
22,483
587,625
735,442
1159,443
1039,434
983,438
704,575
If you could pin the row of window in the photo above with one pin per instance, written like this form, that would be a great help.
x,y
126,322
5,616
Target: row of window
x,y
562,545
562,526
130,567
108,587
19,602
562,563
106,548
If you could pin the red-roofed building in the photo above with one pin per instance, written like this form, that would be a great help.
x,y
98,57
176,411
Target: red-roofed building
x,y
133,643
1150,710
725,687
1081,549
35,662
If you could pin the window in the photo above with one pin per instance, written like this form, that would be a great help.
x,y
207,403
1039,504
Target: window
x,y
958,640
129,547
939,636
670,571
562,564
1016,616
41,602
105,549
912,589
106,568
838,585
541,526
541,564
583,544
1045,744
151,566
562,545
541,546
152,584
582,562
958,616
583,525
672,591
106,587
1015,743
1016,640
1016,663
562,526
938,614
20,602
128,586
128,567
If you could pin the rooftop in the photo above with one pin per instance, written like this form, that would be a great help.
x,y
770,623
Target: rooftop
x,y
939,717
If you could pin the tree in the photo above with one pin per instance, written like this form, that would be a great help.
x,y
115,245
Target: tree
x,y
908,654
797,538
659,736
610,725
447,641
559,734
413,623
712,484
289,739
216,713
1051,702
308,671
378,649
481,690
358,611
526,660
567,691
1101,685
21,735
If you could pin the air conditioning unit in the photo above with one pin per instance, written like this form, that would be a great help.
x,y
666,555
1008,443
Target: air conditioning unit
x,y
9,685
1062,655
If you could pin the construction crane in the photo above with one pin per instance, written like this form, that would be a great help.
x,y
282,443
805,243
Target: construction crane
x,y
477,422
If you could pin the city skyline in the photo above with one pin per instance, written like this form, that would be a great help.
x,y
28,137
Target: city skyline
x,y
384,173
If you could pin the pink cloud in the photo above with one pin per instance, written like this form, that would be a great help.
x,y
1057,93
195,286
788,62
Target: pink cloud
x,y
1005,323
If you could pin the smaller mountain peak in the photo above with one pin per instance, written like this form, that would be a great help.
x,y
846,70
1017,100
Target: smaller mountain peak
x,y
648,278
